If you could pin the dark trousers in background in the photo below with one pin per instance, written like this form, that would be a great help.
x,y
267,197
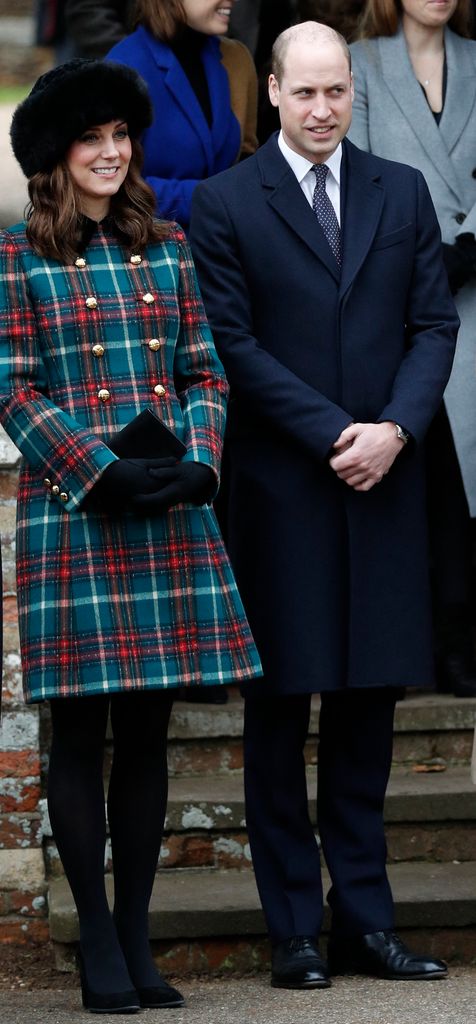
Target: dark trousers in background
x,y
451,560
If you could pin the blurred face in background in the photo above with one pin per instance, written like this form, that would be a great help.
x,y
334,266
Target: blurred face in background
x,y
212,17
428,13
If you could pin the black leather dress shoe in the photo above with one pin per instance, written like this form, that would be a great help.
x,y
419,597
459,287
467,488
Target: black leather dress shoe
x,y
381,955
297,963
456,673
160,997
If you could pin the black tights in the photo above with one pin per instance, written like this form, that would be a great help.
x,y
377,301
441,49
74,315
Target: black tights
x,y
115,948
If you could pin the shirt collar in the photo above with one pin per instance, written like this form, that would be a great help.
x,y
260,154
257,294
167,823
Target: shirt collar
x,y
301,166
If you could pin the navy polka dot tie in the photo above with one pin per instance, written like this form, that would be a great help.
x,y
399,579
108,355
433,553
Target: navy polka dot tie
x,y
325,212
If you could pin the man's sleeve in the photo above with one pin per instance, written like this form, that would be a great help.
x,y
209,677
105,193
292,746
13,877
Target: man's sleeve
x,y
432,327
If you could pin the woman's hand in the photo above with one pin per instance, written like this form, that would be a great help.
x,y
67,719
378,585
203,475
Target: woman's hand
x,y
191,482
460,261
123,480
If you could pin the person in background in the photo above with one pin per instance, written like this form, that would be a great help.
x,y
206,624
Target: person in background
x,y
94,27
321,270
245,21
125,591
204,92
415,100
51,30
276,16
343,15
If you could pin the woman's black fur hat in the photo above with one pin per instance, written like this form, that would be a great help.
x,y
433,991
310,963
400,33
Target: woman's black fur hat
x,y
69,99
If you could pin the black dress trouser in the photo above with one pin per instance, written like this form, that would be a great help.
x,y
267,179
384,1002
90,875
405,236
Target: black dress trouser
x,y
354,755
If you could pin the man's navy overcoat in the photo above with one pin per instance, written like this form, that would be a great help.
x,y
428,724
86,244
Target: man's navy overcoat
x,y
335,582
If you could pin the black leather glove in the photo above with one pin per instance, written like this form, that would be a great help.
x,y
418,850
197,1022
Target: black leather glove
x,y
192,482
460,261
123,480
466,243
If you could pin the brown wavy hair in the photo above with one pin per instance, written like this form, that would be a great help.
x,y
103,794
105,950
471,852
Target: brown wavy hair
x,y
162,19
54,219
382,17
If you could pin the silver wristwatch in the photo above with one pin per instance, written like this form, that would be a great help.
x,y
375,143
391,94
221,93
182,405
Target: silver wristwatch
x,y
402,434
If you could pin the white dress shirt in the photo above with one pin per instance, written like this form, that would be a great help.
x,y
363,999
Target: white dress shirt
x,y
302,168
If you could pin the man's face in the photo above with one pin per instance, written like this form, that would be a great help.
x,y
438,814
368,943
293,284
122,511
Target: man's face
x,y
314,98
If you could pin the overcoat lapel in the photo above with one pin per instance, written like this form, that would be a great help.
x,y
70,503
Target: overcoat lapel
x,y
286,198
219,91
362,200
460,91
361,208
178,85
400,79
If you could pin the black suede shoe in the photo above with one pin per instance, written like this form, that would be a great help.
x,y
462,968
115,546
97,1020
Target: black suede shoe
x,y
110,1002
160,997
381,955
297,963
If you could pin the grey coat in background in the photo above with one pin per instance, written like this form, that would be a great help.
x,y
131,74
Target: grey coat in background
x,y
392,119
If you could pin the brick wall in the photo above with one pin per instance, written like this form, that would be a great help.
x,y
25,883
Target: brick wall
x,y
22,871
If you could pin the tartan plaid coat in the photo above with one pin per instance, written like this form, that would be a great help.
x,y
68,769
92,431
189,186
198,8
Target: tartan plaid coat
x,y
111,603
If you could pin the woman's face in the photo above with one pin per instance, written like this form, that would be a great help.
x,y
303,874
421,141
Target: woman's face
x,y
429,13
98,163
212,17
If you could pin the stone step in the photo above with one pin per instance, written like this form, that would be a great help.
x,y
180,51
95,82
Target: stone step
x,y
429,816
199,906
207,739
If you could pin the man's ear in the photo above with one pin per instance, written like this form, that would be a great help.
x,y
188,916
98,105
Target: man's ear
x,y
273,90
352,91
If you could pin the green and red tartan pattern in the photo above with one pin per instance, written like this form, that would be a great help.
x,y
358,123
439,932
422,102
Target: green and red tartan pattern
x,y
112,603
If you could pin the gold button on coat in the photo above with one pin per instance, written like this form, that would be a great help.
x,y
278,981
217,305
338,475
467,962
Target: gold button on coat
x,y
135,260
154,344
98,350
80,262
159,389
104,395
47,482
91,302
55,489
148,298
63,496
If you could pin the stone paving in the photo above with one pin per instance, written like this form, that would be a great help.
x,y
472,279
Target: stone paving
x,y
253,1001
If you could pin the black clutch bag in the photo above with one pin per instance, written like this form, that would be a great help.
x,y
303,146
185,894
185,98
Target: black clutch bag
x,y
146,437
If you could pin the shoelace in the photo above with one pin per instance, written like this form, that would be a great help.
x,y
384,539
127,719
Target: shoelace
x,y
299,942
391,937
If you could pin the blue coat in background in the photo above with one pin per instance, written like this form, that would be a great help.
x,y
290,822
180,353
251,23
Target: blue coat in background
x,y
180,147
